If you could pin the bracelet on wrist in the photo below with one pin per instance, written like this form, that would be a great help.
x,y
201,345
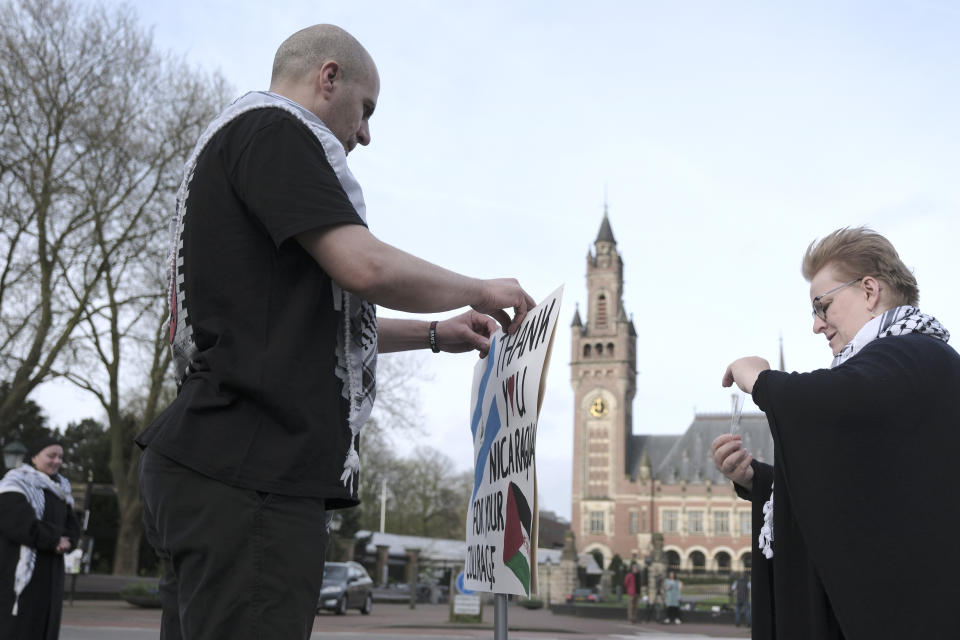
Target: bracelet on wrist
x,y
434,345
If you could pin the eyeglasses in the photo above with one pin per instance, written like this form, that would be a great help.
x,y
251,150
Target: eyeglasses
x,y
820,309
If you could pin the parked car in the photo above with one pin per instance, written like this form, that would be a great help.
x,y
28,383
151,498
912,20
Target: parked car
x,y
587,594
346,585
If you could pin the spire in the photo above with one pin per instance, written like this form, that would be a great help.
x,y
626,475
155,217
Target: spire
x,y
606,233
576,317
782,366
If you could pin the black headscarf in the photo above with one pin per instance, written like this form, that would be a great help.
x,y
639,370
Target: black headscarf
x,y
41,443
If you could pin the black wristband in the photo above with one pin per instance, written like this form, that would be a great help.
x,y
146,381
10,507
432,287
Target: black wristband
x,y
433,337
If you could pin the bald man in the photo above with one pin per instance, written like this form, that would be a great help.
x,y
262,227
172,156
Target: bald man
x,y
275,278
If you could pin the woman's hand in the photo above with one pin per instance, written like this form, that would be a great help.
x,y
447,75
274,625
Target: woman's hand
x,y
64,545
732,460
744,372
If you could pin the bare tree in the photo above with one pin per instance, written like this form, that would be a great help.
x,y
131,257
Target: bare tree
x,y
397,409
426,494
55,75
122,326
95,125
430,496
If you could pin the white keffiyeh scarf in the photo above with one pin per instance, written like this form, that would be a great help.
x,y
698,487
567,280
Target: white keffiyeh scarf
x,y
30,483
357,339
895,322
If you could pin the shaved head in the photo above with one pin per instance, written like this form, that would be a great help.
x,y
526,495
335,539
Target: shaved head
x,y
307,50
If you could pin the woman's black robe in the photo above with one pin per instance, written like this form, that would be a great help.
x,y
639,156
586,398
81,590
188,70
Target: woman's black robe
x,y
867,504
41,603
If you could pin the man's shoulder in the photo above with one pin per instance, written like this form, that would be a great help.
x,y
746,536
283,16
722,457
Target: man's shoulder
x,y
268,131
257,120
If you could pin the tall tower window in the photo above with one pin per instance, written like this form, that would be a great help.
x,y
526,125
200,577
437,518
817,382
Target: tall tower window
x,y
596,522
610,349
586,351
599,348
602,310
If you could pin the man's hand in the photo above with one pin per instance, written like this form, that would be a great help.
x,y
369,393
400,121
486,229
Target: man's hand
x,y
744,372
504,293
732,460
465,332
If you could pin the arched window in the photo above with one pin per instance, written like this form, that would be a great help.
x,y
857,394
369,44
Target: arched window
x,y
698,562
722,560
599,348
673,559
602,310
586,351
747,560
610,349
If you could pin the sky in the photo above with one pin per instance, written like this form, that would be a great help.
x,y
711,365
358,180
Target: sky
x,y
722,138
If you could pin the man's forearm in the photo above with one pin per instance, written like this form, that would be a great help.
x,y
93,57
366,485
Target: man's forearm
x,y
395,334
387,276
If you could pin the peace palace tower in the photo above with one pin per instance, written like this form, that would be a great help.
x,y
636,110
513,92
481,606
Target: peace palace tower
x,y
626,486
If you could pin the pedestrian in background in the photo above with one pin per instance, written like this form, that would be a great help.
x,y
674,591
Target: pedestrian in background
x,y
741,592
672,588
632,584
37,526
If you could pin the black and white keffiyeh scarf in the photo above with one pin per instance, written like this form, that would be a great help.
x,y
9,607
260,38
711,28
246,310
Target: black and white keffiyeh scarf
x,y
894,322
29,482
357,338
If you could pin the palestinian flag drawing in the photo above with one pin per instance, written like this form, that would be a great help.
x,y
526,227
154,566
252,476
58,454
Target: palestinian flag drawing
x,y
516,536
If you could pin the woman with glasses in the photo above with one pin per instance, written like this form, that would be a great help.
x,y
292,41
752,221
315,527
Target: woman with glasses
x,y
855,525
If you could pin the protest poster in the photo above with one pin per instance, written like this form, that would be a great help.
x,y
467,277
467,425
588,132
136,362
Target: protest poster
x,y
505,402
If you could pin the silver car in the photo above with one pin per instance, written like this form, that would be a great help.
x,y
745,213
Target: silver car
x,y
346,585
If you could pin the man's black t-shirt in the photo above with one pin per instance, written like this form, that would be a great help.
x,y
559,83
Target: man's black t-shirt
x,y
261,407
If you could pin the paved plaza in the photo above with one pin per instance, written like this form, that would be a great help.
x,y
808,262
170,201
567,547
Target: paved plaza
x,y
116,620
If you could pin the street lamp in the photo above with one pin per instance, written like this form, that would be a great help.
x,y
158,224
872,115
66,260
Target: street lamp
x,y
336,521
13,454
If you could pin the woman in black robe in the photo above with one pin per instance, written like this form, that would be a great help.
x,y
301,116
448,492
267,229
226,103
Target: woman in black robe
x,y
37,526
855,524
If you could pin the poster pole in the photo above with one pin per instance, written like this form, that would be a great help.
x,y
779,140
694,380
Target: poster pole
x,y
500,616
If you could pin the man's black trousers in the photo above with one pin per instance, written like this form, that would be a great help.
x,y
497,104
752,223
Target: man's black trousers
x,y
237,563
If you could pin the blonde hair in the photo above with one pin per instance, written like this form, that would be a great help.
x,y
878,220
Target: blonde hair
x,y
858,252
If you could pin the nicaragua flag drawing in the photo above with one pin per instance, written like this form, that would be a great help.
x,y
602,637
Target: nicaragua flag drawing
x,y
507,392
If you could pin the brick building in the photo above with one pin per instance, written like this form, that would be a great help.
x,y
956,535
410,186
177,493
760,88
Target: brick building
x,y
628,486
